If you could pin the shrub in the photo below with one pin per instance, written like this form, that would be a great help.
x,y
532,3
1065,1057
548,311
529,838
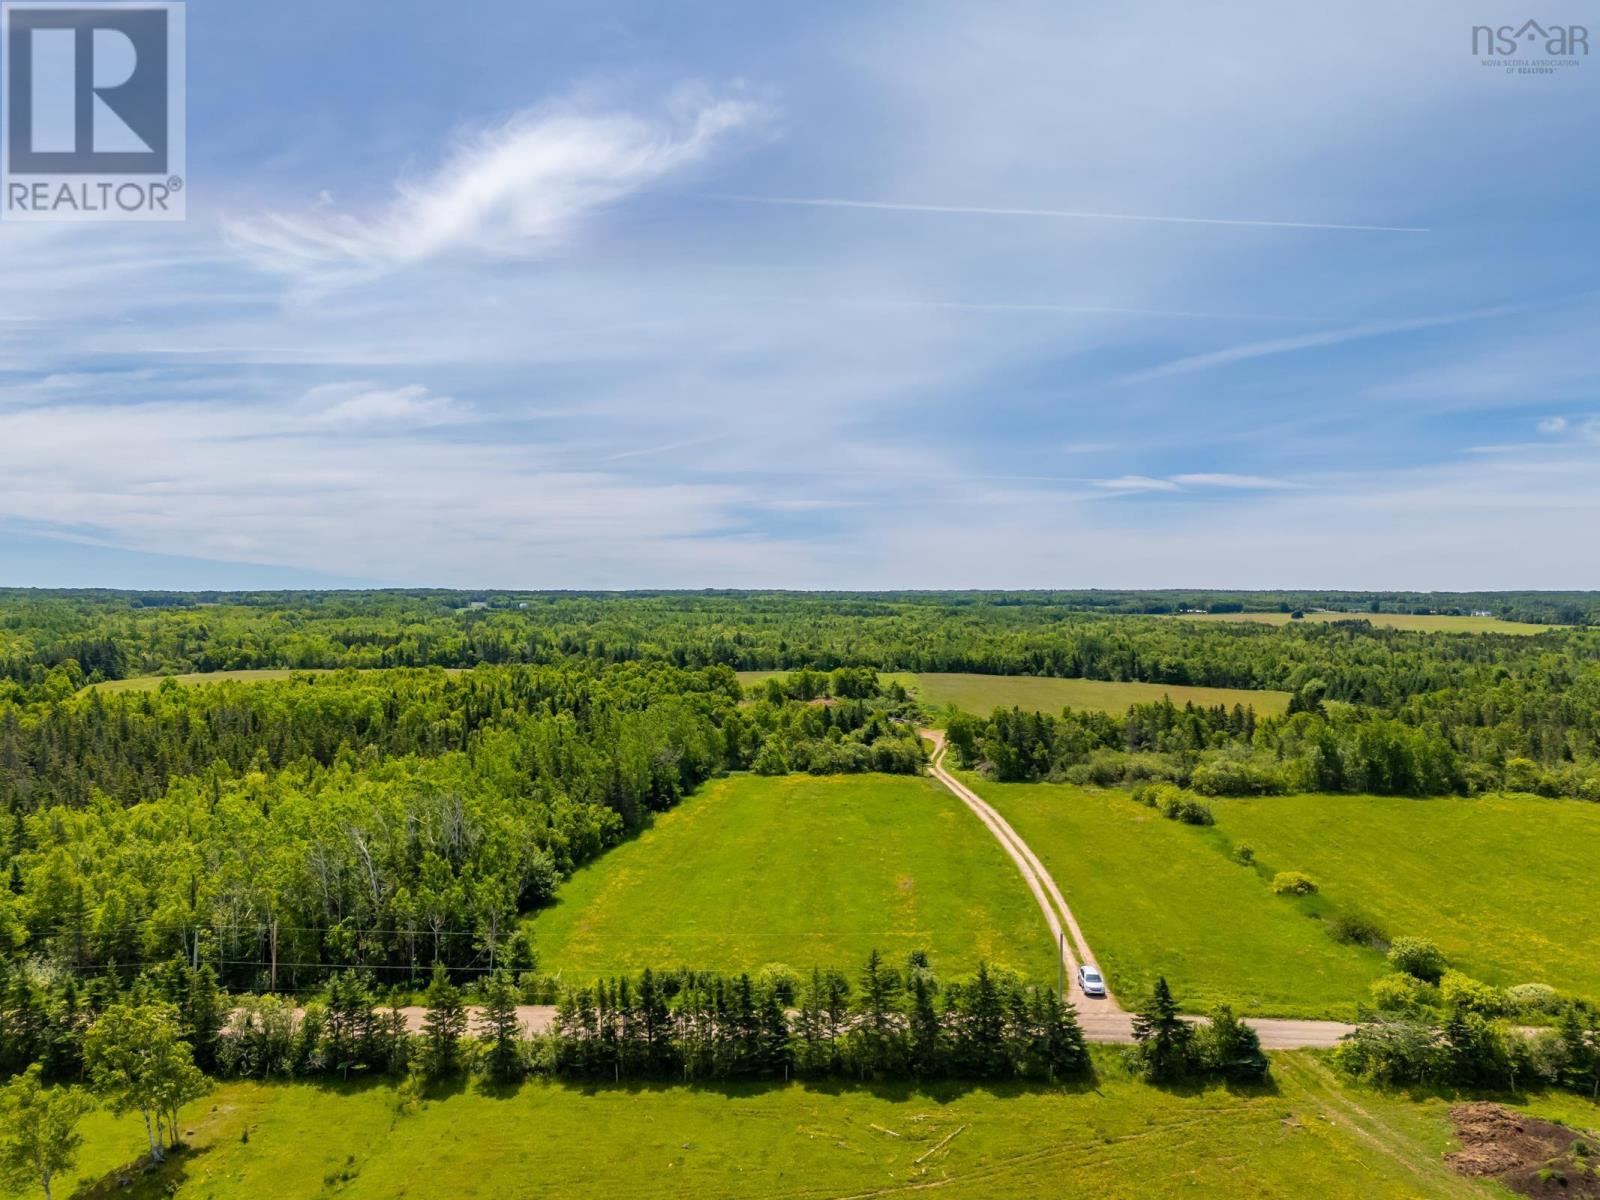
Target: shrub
x,y
1358,929
1178,807
1394,1052
1230,1048
1293,883
1534,998
1418,957
1401,993
1463,992
1244,855
1237,777
1175,804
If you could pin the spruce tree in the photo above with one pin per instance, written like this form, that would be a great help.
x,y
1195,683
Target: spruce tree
x,y
444,1025
926,1033
498,1027
1165,1041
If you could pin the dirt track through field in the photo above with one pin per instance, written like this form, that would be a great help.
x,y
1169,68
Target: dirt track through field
x,y
1103,1019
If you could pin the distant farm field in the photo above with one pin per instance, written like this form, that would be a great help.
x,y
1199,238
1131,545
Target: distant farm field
x,y
1306,1135
983,694
1419,622
149,683
1496,882
801,870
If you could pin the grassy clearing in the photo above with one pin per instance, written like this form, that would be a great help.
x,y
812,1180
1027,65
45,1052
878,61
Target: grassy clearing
x,y
1503,884
1497,882
799,870
982,694
1158,898
1306,1135
149,683
1417,622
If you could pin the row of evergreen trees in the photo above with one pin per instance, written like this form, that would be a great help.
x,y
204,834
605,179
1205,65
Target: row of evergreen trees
x,y
882,1023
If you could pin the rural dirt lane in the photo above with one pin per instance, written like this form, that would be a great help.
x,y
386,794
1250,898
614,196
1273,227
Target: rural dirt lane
x,y
1103,1020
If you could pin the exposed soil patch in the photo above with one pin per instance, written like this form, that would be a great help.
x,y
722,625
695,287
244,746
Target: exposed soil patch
x,y
1527,1155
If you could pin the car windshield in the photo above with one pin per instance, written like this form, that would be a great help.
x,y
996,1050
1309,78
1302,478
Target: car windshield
x,y
1091,977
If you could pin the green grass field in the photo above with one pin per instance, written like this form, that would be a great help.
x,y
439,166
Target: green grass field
x,y
1418,622
982,694
149,683
803,871
1306,1135
1503,884
1158,898
1492,881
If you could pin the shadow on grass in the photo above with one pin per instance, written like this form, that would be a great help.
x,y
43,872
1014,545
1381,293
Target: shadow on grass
x,y
940,1091
143,1180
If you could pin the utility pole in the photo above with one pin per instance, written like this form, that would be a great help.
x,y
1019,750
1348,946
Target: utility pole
x,y
274,941
1061,966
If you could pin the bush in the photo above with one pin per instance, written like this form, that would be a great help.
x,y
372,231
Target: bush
x,y
1534,998
1358,929
1237,777
1187,809
1293,883
1401,993
1418,957
1244,855
1175,804
1463,992
1392,1052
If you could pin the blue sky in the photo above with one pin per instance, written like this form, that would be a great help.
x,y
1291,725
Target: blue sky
x,y
834,295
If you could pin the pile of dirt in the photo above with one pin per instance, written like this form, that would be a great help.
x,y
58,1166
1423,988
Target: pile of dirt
x,y
1527,1155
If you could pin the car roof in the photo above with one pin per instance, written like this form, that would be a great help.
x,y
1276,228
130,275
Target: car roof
x,y
1089,969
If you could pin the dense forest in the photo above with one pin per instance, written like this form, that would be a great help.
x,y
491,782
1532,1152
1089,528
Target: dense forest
x,y
167,843
52,643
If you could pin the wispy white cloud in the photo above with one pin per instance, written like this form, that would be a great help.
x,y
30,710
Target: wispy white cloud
x,y
513,189
1553,425
1247,483
1135,483
1289,345
368,408
1056,213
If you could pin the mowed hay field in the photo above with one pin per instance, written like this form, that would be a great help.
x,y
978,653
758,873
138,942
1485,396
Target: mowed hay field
x,y
982,694
1499,883
1416,622
1155,897
1304,1135
801,870
1504,884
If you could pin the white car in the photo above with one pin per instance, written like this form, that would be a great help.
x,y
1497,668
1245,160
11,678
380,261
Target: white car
x,y
1091,981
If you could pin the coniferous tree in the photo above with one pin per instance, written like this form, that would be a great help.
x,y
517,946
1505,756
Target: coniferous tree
x,y
879,1033
499,1029
444,1024
1164,1040
1058,1050
926,1041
